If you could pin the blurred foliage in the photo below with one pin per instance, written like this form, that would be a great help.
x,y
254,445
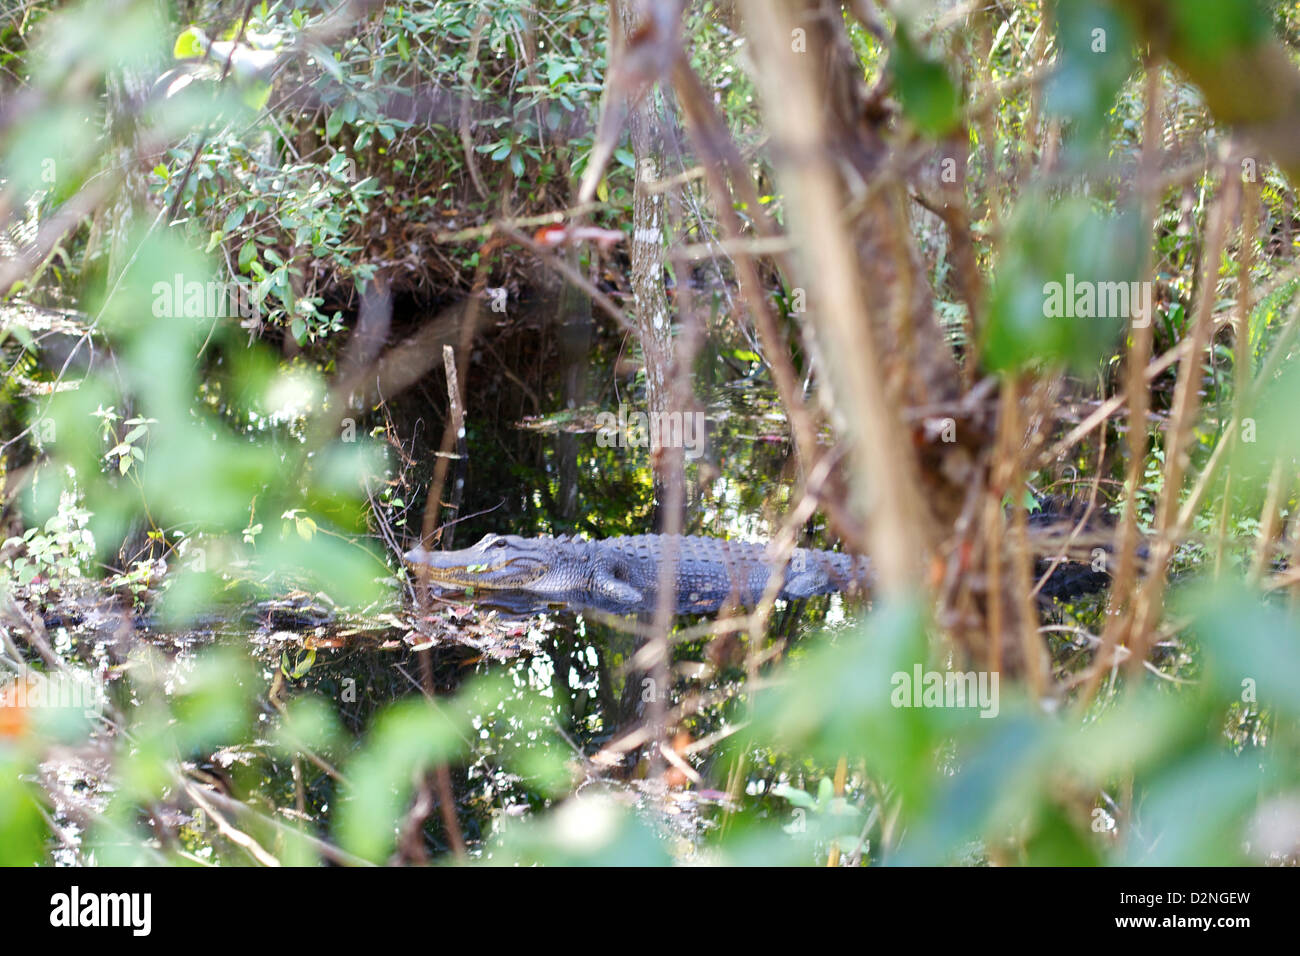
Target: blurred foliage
x,y
928,95
285,164
1070,245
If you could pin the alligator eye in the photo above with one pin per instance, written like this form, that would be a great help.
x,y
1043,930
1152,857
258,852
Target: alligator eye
x,y
498,543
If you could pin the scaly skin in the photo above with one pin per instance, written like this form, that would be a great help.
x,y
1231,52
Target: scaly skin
x,y
624,572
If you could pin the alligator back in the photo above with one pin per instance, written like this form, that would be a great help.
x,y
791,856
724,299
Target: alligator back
x,y
710,570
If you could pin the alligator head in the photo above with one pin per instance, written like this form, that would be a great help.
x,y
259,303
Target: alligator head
x,y
497,561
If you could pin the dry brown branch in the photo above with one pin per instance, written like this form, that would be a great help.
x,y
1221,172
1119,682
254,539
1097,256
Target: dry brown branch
x,y
1150,597
884,484
466,135
1139,372
713,140
227,829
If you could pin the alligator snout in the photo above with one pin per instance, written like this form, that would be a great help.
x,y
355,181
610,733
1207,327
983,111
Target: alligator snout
x,y
416,555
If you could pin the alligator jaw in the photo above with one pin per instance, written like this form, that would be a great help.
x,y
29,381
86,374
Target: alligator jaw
x,y
495,562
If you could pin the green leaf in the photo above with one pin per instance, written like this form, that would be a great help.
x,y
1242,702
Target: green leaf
x,y
1065,285
234,218
1056,841
299,669
22,828
928,95
191,43
333,123
586,830
556,70
407,736
841,693
215,703
256,95
1251,643
1196,811
1096,57
1213,29
800,798
309,722
23,335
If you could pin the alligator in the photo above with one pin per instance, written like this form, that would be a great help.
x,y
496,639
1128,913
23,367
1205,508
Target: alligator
x,y
621,574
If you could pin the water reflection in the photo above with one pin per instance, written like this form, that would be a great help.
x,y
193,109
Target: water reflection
x,y
567,664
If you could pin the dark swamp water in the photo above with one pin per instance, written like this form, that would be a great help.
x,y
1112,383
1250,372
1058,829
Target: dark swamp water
x,y
534,465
